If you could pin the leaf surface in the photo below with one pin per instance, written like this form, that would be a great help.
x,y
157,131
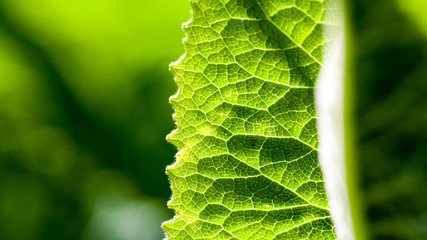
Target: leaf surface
x,y
247,166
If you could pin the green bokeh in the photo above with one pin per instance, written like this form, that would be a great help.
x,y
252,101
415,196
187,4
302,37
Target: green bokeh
x,y
390,56
84,88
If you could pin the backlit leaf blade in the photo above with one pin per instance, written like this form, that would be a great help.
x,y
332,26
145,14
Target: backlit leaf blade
x,y
247,166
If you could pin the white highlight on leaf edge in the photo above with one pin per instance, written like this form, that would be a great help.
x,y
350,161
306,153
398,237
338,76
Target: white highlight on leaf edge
x,y
329,98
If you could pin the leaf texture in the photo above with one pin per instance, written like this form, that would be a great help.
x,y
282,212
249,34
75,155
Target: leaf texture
x,y
247,166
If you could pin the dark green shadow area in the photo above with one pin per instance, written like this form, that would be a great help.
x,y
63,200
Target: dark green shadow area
x,y
390,57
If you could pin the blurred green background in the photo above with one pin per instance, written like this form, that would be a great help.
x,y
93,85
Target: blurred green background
x,y
390,57
84,88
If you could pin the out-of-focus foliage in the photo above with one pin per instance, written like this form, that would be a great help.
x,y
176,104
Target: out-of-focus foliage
x,y
391,123
83,115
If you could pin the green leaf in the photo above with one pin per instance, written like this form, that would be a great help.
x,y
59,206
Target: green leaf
x,y
247,166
